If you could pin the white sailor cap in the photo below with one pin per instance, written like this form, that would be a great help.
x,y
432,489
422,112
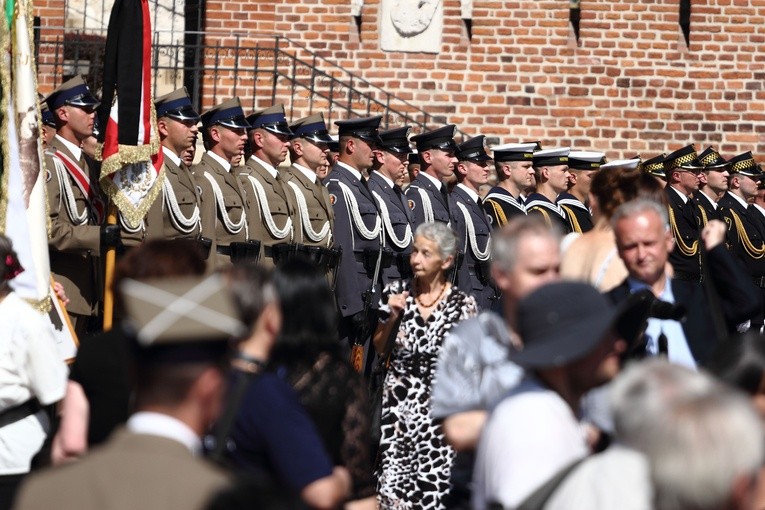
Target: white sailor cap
x,y
552,157
625,164
515,151
586,160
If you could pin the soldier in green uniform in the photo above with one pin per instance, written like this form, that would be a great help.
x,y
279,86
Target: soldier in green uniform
x,y
224,132
272,212
76,205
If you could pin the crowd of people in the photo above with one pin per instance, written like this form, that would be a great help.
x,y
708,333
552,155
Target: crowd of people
x,y
305,320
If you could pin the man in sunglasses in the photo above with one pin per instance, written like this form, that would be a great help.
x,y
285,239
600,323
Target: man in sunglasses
x,y
76,204
713,183
683,169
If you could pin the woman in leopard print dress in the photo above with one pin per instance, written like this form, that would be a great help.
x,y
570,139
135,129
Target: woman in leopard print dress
x,y
414,459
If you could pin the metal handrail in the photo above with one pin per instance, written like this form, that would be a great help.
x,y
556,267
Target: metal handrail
x,y
357,89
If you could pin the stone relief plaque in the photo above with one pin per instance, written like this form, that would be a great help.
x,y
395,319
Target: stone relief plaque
x,y
413,26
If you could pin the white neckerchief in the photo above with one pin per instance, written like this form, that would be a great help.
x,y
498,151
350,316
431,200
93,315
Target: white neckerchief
x,y
162,425
171,156
387,181
307,172
222,162
269,168
472,194
739,199
712,200
437,183
681,195
74,149
352,170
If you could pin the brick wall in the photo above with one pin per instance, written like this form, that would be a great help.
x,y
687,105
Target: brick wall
x,y
629,86
52,14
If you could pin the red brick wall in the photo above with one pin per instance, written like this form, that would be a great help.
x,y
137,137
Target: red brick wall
x,y
630,85
51,13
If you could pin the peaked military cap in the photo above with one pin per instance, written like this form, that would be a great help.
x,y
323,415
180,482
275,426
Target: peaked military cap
x,y
586,160
364,128
395,140
414,157
47,116
228,114
73,92
272,119
712,160
311,128
177,106
334,145
684,159
655,166
551,157
515,151
187,310
441,138
744,164
473,150
623,164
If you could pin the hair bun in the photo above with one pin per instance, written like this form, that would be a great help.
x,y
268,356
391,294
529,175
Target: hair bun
x,y
12,266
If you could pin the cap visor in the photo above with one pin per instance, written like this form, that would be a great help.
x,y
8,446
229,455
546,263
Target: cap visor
x,y
235,123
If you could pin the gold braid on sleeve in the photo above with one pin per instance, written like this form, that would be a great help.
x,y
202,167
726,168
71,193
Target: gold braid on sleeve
x,y
499,213
749,247
704,219
575,227
688,251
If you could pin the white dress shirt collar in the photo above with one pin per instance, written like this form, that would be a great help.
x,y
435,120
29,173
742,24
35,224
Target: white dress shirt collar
x,y
162,425
739,199
307,172
222,162
436,182
472,194
352,170
270,169
385,178
681,195
171,156
74,149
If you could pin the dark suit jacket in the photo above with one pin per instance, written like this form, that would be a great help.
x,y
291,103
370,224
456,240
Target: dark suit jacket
x,y
575,210
540,205
438,200
687,223
739,300
353,279
399,215
502,206
467,280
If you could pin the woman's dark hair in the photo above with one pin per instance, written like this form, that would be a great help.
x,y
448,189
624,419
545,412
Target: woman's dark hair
x,y
740,361
613,188
309,313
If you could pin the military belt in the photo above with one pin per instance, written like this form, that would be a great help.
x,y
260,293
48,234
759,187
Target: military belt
x,y
277,252
241,252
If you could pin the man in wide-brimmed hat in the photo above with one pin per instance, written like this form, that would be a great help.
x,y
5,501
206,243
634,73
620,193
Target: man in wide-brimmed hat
x,y
570,345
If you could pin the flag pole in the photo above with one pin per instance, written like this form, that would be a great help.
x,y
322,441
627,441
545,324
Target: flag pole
x,y
110,259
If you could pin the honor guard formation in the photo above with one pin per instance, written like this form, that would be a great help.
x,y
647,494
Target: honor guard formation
x,y
389,317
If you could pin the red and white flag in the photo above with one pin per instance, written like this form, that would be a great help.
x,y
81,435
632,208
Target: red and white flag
x,y
130,172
